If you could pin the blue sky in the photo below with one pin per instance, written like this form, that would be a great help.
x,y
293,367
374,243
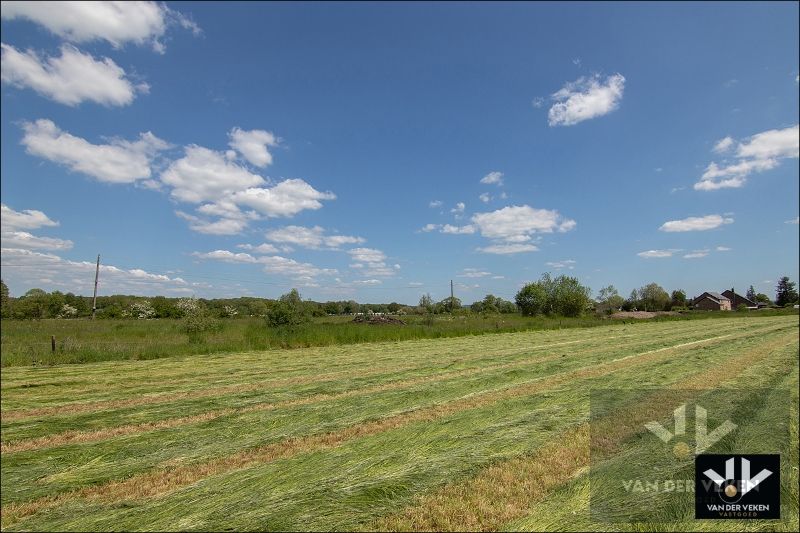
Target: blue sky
x,y
375,151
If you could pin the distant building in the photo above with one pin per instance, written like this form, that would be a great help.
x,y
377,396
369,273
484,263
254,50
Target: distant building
x,y
738,299
712,301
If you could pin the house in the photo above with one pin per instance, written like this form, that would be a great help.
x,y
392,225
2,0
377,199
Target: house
x,y
738,299
712,301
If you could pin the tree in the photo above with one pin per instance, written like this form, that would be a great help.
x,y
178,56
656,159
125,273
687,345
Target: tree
x,y
289,311
426,303
751,294
785,292
763,299
449,304
653,297
4,299
563,295
532,299
609,298
678,298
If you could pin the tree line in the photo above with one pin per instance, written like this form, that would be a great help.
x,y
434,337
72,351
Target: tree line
x,y
561,295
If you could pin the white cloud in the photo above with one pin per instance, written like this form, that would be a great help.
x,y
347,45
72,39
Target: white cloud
x,y
118,162
23,239
283,266
435,203
371,262
493,178
78,276
368,282
70,79
264,248
485,197
759,153
537,102
586,98
458,230
204,175
115,22
459,208
504,249
696,254
313,238
226,256
795,220
223,226
723,145
558,265
519,223
657,254
473,273
427,228
28,219
704,223
253,145
285,199
783,143
723,249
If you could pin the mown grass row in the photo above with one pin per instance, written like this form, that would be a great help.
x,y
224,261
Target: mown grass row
x,y
28,342
359,478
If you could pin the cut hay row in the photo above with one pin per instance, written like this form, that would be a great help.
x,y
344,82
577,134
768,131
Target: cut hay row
x,y
504,492
175,477
79,435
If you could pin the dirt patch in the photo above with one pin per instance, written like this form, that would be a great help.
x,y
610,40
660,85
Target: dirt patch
x,y
378,320
642,314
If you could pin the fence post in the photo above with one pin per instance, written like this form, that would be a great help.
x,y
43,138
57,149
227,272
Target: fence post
x,y
53,343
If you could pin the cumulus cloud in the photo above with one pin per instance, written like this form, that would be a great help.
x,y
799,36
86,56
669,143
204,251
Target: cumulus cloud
x,y
285,199
435,203
759,153
119,161
371,262
558,265
657,254
116,22
696,254
704,223
23,239
485,198
519,223
253,145
205,175
264,248
506,249
723,145
473,273
21,220
493,178
314,238
69,79
459,208
795,220
586,98
31,267
226,256
449,229
222,226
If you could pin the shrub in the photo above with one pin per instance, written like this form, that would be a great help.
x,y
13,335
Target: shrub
x,y
741,307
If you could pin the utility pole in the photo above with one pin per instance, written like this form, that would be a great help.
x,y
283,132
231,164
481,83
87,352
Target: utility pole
x,y
96,277
451,292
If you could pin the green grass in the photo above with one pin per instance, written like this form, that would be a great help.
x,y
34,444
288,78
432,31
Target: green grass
x,y
363,431
83,341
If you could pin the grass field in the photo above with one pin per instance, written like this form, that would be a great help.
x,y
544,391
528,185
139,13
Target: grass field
x,y
27,342
481,432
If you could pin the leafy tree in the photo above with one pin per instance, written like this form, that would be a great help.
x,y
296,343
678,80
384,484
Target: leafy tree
x,y
609,298
288,311
751,294
653,297
741,307
678,298
4,300
532,299
785,292
426,303
763,299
